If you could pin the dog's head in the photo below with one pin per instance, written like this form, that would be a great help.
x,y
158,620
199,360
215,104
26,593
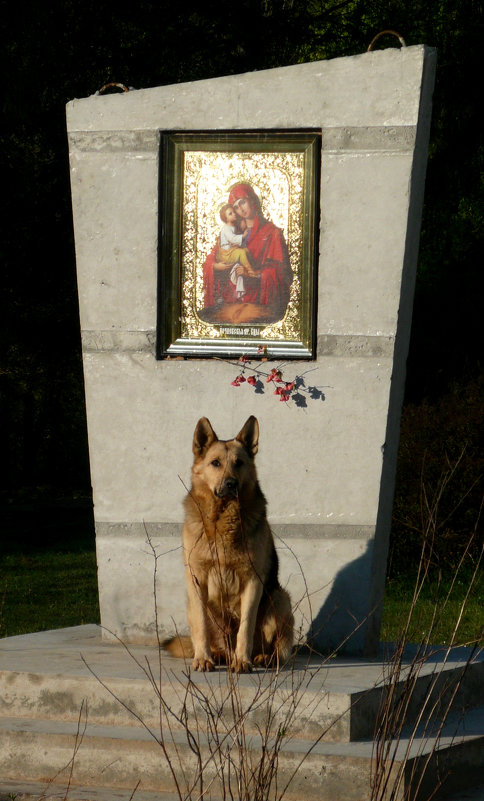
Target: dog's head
x,y
225,466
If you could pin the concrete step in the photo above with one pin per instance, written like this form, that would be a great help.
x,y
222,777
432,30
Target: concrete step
x,y
118,758
33,791
56,791
261,699
124,713
51,674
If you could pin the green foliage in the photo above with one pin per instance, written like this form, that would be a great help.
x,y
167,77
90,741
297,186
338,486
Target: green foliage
x,y
440,480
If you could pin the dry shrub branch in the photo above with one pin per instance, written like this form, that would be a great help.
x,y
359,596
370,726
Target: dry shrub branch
x,y
222,735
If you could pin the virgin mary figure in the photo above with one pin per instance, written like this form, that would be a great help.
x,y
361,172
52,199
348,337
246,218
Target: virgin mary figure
x,y
259,291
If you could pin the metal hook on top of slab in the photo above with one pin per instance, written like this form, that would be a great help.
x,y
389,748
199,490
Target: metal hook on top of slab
x,y
112,85
383,33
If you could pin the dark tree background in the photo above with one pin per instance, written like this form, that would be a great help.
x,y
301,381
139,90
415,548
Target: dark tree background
x,y
55,52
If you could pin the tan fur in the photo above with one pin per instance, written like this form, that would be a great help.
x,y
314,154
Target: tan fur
x,y
237,611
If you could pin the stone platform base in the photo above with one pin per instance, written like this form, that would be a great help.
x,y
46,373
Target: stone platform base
x,y
111,723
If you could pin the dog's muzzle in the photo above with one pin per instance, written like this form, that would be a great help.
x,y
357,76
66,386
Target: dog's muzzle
x,y
228,488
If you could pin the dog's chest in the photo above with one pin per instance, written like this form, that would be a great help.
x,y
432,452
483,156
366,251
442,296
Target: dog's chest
x,y
225,588
230,557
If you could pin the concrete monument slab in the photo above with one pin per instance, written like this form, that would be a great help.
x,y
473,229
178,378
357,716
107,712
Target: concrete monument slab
x,y
327,469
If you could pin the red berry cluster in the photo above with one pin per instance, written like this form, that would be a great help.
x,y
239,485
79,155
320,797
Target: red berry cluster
x,y
283,388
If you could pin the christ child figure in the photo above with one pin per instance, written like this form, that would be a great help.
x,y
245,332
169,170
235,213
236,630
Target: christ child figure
x,y
231,252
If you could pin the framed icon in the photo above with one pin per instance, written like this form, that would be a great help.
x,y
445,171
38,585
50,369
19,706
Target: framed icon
x,y
238,243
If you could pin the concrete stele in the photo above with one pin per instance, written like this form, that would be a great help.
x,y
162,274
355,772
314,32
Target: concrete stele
x,y
327,470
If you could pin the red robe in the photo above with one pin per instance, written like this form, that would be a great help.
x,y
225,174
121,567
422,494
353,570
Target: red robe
x,y
268,251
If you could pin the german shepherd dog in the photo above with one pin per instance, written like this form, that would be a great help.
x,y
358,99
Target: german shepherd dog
x,y
237,612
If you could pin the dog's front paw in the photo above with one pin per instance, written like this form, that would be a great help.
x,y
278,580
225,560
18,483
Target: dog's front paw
x,y
241,665
264,660
203,664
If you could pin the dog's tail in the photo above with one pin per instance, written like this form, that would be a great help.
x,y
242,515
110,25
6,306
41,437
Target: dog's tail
x,y
179,646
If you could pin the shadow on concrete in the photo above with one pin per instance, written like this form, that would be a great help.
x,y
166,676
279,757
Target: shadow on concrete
x,y
342,621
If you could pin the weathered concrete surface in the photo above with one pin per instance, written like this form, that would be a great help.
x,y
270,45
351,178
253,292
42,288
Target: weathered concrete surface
x,y
327,470
51,703
27,791
33,791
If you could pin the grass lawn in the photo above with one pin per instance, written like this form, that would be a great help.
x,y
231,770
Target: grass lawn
x,y
432,602
47,567
47,590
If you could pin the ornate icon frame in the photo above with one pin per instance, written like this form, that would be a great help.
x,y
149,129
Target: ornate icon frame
x,y
200,313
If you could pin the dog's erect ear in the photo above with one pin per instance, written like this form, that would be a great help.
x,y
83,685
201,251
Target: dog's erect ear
x,y
203,437
249,435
